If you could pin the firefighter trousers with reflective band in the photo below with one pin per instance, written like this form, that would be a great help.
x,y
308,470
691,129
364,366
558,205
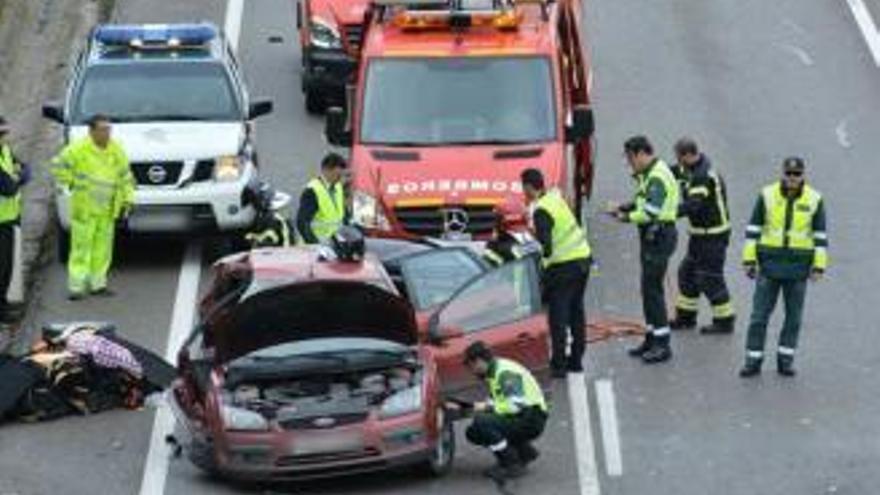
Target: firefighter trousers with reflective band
x,y
656,247
489,429
91,251
702,272
7,262
564,288
794,292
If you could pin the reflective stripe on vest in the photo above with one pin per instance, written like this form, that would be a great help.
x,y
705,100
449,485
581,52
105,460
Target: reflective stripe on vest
x,y
10,206
800,232
724,222
669,211
270,236
569,239
331,208
532,395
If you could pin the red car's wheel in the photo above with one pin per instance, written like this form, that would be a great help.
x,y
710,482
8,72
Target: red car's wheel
x,y
440,462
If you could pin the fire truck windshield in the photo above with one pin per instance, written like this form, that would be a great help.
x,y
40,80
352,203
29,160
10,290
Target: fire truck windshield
x,y
466,100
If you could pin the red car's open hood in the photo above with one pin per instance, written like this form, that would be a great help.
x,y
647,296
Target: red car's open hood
x,y
452,175
309,310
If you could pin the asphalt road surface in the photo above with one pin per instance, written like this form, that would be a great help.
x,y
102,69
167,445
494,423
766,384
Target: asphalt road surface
x,y
753,81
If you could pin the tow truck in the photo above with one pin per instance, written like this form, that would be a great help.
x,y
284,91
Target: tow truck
x,y
452,100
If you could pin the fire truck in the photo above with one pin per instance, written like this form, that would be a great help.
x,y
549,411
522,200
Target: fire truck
x,y
452,100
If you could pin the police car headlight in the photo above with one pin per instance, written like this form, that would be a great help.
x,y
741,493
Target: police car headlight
x,y
228,168
367,212
403,402
235,418
324,35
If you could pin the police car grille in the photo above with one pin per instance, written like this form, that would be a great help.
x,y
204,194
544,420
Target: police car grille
x,y
353,34
144,176
429,220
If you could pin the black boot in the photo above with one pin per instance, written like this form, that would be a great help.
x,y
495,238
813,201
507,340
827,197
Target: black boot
x,y
659,351
527,453
508,465
751,368
684,320
785,366
719,326
643,347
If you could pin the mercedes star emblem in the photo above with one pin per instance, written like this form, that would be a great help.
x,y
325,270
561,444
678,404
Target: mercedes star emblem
x,y
455,220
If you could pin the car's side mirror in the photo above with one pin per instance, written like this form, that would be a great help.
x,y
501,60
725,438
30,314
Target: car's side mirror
x,y
259,108
582,125
53,112
335,128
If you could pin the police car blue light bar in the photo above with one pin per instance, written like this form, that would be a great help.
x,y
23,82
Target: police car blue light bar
x,y
155,34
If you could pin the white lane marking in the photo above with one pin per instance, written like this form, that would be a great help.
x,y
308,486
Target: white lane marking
x,y
232,26
585,450
156,469
842,134
610,430
867,27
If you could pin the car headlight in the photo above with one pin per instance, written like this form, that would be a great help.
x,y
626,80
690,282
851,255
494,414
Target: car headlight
x,y
228,168
235,418
367,212
324,35
403,402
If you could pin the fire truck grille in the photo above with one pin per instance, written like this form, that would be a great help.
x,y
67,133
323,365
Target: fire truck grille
x,y
435,221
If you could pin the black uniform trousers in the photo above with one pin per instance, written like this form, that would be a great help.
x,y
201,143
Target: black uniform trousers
x,y
489,429
657,243
564,286
702,269
7,261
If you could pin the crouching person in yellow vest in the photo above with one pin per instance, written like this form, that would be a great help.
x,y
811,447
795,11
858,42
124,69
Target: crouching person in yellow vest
x,y
95,170
514,416
322,206
786,244
566,258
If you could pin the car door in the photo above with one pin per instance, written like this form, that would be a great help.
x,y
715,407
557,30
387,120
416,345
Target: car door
x,y
501,307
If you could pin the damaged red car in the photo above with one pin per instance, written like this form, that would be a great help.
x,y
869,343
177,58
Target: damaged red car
x,y
302,366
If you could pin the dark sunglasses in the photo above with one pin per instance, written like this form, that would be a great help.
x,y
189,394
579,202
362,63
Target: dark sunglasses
x,y
793,173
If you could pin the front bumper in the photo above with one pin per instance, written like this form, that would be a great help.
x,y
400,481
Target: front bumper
x,y
201,207
278,456
327,72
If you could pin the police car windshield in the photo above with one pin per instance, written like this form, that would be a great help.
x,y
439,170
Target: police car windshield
x,y
144,92
467,100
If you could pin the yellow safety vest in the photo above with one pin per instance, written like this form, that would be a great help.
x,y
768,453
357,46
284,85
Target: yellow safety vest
x,y
647,213
100,179
799,235
331,208
569,239
532,393
10,206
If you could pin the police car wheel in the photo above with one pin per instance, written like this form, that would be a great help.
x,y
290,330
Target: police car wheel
x,y
314,102
62,244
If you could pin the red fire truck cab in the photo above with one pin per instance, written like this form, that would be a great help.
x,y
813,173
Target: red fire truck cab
x,y
453,99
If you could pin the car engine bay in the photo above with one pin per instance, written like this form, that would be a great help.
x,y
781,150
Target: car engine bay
x,y
320,401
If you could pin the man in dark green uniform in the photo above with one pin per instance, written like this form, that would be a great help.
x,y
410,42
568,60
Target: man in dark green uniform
x,y
514,416
654,210
786,244
702,269
14,174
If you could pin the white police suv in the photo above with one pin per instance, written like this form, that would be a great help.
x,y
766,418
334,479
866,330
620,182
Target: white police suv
x,y
178,102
